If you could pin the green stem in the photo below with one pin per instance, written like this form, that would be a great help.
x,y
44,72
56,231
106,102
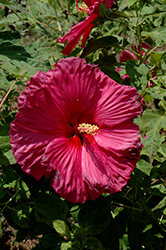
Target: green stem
x,y
9,201
122,205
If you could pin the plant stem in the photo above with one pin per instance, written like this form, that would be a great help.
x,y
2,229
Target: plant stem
x,y
9,90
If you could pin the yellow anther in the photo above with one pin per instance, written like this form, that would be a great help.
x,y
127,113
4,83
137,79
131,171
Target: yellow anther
x,y
88,129
83,7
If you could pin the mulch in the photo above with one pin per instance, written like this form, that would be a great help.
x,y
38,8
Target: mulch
x,y
8,238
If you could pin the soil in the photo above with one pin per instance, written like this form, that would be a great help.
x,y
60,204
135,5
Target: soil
x,y
8,237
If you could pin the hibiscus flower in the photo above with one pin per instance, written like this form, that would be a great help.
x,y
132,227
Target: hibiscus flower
x,y
83,28
128,55
74,125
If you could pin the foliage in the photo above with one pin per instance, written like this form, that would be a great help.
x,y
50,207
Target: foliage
x,y
134,218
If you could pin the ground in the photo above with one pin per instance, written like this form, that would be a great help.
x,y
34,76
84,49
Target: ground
x,y
8,237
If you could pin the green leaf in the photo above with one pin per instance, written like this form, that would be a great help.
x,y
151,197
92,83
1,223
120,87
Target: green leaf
x,y
103,11
145,167
80,234
4,143
66,245
20,215
123,4
50,240
160,187
156,92
138,74
161,204
51,209
74,212
107,64
61,227
158,33
162,149
95,216
8,50
5,2
7,156
10,157
156,57
9,36
92,243
151,123
148,227
124,243
131,2
103,42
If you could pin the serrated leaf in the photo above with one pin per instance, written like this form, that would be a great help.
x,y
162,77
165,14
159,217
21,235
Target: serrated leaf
x,y
158,33
138,74
61,227
151,123
145,167
156,92
162,149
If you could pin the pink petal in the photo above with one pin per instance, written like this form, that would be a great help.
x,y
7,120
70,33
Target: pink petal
x,y
28,148
81,29
103,171
45,138
126,55
63,160
117,104
119,139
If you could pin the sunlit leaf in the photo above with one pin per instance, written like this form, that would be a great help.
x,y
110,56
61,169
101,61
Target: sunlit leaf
x,y
61,227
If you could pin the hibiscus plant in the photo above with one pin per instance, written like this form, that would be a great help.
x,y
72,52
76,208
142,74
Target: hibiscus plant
x,y
83,123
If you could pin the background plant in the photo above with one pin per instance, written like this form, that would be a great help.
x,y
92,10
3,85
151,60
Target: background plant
x,y
134,218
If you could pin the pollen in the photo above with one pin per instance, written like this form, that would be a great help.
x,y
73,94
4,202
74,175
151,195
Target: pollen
x,y
83,8
88,129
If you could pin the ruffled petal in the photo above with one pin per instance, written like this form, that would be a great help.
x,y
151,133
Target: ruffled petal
x,y
45,138
117,104
104,171
28,149
81,29
121,140
63,159
78,89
